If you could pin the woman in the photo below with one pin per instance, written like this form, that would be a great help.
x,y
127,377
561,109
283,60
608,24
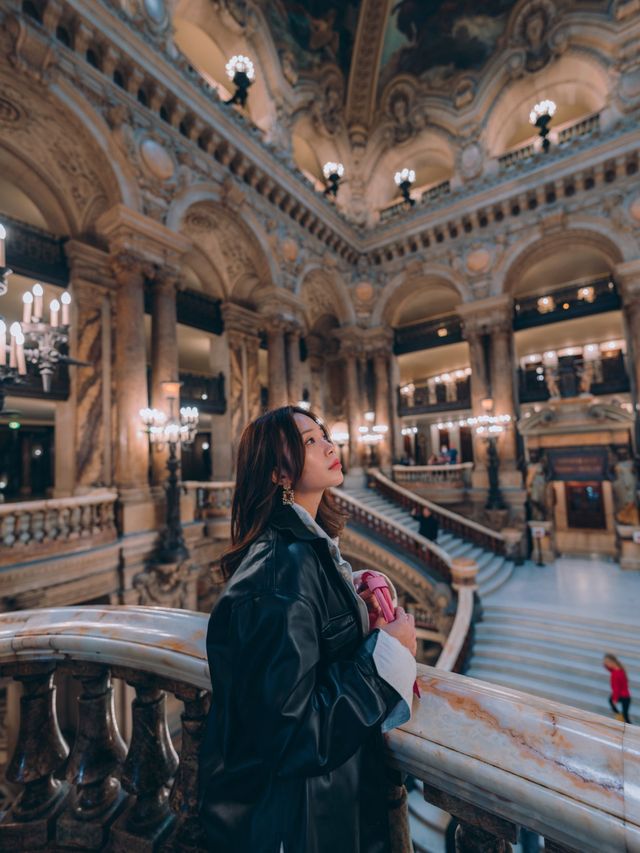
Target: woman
x,y
619,687
293,758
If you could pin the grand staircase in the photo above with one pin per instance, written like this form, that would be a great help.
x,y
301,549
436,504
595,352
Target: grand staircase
x,y
556,655
494,569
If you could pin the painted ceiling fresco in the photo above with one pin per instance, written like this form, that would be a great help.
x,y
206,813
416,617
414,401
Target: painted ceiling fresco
x,y
432,39
315,32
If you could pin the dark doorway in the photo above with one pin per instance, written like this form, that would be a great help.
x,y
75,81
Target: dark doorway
x,y
196,459
26,462
585,505
466,444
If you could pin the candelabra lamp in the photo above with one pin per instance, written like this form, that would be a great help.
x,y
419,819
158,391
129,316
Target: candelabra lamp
x,y
489,427
404,181
540,117
333,173
242,74
371,435
171,431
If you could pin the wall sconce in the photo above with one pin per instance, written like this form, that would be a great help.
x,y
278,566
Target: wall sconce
x,y
333,173
241,72
404,179
587,294
442,332
546,304
540,117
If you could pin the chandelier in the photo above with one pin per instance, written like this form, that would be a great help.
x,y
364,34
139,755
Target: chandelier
x,y
404,180
33,340
333,173
241,72
540,117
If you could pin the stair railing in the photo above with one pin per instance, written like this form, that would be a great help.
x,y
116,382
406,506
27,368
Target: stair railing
x,y
497,759
485,537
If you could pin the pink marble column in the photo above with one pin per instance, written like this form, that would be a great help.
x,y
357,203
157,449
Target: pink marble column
x,y
131,375
354,413
164,354
278,395
383,414
316,347
502,385
294,371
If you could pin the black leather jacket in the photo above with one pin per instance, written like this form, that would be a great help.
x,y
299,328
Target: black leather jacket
x,y
293,752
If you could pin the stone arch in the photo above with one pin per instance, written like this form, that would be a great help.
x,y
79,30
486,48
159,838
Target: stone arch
x,y
324,293
407,285
594,236
226,244
57,151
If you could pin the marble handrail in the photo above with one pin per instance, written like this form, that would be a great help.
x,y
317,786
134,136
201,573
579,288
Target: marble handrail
x,y
448,475
98,497
570,775
457,520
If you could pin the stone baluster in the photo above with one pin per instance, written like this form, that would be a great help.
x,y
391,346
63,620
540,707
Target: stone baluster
x,y
478,831
97,755
148,769
188,834
39,753
164,354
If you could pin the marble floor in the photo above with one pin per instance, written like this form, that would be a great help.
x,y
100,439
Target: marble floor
x,y
594,587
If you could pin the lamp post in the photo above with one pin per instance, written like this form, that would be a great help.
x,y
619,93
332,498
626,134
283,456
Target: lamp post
x,y
241,72
404,180
489,427
333,173
172,431
540,117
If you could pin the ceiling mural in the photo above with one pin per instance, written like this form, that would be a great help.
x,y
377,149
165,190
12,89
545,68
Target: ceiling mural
x,y
433,39
315,32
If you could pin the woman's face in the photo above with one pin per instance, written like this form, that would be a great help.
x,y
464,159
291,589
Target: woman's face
x,y
322,466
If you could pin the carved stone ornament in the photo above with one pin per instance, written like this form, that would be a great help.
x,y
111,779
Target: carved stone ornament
x,y
478,260
471,160
634,210
156,159
164,585
531,32
327,109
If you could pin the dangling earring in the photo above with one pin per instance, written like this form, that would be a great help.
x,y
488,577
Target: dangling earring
x,y
287,495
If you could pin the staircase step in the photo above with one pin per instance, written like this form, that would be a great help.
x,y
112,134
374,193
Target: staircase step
x,y
575,653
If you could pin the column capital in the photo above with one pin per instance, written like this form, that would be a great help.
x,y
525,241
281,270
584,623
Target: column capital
x,y
487,315
365,343
127,230
89,265
241,321
127,265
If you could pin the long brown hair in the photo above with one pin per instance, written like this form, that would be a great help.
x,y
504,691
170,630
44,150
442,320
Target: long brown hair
x,y
270,443
614,660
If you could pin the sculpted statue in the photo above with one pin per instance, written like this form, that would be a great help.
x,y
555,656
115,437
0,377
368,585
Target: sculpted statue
x,y
625,485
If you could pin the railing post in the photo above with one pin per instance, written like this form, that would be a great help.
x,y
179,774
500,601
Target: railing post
x,y
478,831
98,752
40,751
148,768
188,834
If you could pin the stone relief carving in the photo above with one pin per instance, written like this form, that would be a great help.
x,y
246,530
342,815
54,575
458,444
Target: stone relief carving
x,y
327,111
535,38
164,585
403,118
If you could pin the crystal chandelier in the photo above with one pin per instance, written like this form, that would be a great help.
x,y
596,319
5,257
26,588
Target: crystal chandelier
x,y
404,179
540,117
241,72
333,173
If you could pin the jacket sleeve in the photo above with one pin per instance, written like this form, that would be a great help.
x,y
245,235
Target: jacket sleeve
x,y
305,717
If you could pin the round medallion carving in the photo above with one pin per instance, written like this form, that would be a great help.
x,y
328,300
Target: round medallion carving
x,y
478,261
156,159
471,160
9,113
155,9
289,249
634,209
364,291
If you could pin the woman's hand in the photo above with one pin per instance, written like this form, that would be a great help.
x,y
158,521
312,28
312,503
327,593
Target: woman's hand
x,y
403,628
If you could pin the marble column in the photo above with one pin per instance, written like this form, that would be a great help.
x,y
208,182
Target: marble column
x,y
354,413
480,391
294,367
243,385
397,442
628,280
382,408
502,385
219,362
164,356
278,395
316,347
131,376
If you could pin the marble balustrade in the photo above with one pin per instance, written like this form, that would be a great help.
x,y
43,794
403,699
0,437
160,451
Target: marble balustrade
x,y
212,498
498,759
36,527
459,474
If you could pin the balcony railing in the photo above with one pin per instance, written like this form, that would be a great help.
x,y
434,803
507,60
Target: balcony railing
x,y
32,529
434,398
429,195
584,127
497,759
431,333
573,377
566,303
435,475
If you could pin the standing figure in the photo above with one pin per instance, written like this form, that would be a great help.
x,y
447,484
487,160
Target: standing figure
x,y
302,688
619,687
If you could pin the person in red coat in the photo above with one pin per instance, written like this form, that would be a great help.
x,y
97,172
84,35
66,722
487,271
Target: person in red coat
x,y
619,686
